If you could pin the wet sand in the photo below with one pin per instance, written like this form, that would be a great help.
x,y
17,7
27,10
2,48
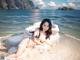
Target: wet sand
x,y
67,49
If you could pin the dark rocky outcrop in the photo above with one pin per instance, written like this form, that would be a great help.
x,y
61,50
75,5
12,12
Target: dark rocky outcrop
x,y
65,8
16,4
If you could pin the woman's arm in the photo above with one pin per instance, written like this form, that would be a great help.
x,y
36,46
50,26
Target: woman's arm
x,y
35,37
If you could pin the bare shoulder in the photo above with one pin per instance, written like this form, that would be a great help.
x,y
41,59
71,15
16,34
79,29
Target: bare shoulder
x,y
37,29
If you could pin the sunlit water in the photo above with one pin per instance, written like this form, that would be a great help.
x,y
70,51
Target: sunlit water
x,y
15,21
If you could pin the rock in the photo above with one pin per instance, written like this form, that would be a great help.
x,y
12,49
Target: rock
x,y
16,4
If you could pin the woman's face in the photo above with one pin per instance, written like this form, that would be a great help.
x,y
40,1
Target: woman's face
x,y
45,26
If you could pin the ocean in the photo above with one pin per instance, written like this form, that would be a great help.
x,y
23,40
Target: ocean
x,y
15,21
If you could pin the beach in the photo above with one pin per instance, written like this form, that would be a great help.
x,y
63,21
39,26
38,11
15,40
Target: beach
x,y
14,22
66,49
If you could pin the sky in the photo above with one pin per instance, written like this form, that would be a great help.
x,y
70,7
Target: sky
x,y
61,1
54,3
49,2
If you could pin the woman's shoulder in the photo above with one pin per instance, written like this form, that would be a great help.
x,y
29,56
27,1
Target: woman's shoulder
x,y
36,30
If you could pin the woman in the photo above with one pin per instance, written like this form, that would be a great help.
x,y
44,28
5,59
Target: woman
x,y
40,36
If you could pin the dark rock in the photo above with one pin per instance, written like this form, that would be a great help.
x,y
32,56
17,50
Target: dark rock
x,y
65,8
16,4
3,4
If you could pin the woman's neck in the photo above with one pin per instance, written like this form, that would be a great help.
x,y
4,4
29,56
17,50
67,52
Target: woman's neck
x,y
43,32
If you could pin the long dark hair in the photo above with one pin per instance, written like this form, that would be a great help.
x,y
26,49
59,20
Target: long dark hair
x,y
49,31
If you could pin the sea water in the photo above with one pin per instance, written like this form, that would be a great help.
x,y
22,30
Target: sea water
x,y
15,21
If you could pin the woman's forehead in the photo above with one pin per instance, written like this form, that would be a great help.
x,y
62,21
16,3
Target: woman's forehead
x,y
46,23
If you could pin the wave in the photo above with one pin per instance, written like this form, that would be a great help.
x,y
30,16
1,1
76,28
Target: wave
x,y
5,37
68,35
10,22
69,16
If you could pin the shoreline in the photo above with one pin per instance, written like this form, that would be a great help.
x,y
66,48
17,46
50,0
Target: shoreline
x,y
66,49
67,35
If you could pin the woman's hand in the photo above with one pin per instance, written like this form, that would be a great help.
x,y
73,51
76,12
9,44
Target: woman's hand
x,y
37,41
13,56
42,41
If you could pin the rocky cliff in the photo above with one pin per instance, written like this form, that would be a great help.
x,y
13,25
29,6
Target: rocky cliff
x,y
16,4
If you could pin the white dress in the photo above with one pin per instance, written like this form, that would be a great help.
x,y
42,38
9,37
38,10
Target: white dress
x,y
40,48
52,38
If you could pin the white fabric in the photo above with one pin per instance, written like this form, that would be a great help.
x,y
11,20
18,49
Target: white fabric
x,y
51,39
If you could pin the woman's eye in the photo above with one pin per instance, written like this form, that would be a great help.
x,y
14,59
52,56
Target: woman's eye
x,y
44,25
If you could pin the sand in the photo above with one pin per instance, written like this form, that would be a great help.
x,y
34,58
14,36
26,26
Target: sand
x,y
68,48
